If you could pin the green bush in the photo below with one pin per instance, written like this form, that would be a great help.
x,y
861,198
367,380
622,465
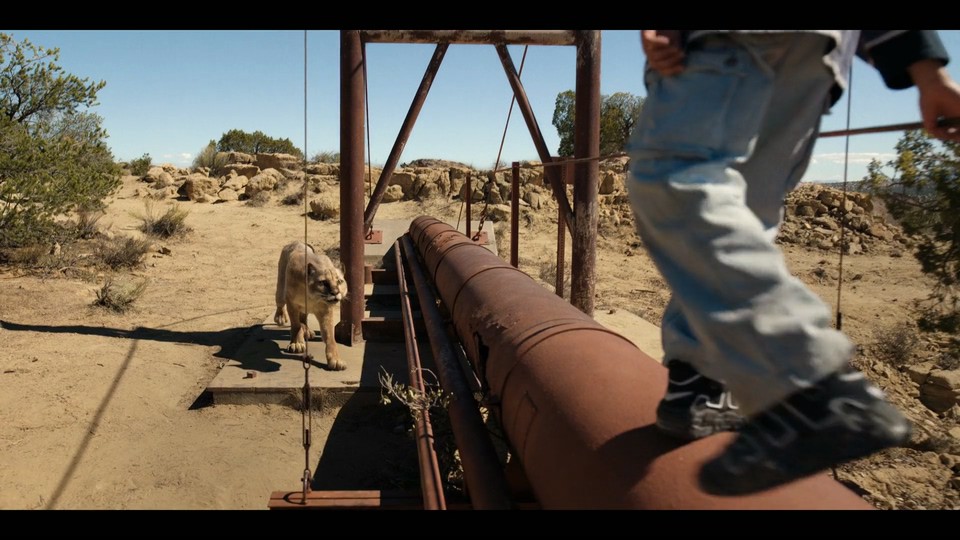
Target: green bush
x,y
210,158
53,153
237,140
141,165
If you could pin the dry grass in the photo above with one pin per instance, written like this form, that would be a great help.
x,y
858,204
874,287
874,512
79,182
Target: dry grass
x,y
122,252
171,223
897,345
87,224
119,298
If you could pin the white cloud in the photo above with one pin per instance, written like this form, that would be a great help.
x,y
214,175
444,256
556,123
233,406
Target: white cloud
x,y
186,156
862,158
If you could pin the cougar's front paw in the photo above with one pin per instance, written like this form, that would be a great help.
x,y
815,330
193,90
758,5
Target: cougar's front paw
x,y
296,347
280,317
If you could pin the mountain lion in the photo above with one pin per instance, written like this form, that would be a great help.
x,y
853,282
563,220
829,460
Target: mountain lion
x,y
300,265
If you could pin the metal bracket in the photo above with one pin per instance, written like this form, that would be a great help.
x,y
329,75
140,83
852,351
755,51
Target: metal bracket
x,y
375,236
480,238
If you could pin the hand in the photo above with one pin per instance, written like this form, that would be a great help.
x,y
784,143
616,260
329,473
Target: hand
x,y
663,51
939,97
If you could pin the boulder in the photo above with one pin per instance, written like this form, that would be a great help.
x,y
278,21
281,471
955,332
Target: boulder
x,y
236,157
261,182
241,169
941,390
325,207
323,169
392,194
404,179
278,161
228,194
196,186
236,183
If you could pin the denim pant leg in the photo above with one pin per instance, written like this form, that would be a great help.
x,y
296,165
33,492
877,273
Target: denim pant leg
x,y
736,313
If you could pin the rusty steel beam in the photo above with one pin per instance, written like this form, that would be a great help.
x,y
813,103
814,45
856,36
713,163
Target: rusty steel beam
x,y
351,185
551,173
431,484
469,201
403,135
515,215
477,37
586,143
576,401
482,472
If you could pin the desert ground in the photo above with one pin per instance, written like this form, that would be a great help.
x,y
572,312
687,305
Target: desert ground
x,y
105,410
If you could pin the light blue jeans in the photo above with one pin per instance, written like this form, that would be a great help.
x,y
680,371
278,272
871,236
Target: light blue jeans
x,y
714,153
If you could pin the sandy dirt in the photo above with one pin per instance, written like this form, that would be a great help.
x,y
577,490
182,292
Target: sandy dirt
x,y
103,410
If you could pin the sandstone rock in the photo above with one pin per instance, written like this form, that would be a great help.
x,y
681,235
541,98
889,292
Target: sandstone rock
x,y
163,180
324,169
278,161
534,199
236,183
169,168
261,182
325,207
805,210
430,191
404,179
918,372
291,174
242,169
608,183
277,175
392,194
207,198
153,173
941,390
237,157
196,186
228,194
879,231
827,222
498,212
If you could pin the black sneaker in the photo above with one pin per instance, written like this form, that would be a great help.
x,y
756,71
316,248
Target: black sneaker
x,y
840,418
695,406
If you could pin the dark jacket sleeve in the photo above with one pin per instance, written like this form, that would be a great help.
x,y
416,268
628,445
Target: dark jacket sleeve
x,y
893,56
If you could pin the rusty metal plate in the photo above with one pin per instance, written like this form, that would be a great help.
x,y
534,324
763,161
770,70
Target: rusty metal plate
x,y
480,238
375,236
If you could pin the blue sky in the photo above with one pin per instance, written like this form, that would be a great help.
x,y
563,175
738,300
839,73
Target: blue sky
x,y
169,92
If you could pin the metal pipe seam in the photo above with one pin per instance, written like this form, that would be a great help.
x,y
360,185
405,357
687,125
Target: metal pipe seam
x,y
578,406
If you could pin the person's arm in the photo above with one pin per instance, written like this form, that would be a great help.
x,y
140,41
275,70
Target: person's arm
x,y
663,50
939,97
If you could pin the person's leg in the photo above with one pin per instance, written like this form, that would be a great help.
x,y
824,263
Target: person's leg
x,y
710,229
746,321
693,406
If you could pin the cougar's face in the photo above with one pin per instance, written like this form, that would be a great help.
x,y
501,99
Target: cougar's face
x,y
328,285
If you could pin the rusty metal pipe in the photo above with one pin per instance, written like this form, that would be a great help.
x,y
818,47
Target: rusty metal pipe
x,y
431,484
586,143
351,185
515,215
403,135
551,173
512,37
482,471
577,401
